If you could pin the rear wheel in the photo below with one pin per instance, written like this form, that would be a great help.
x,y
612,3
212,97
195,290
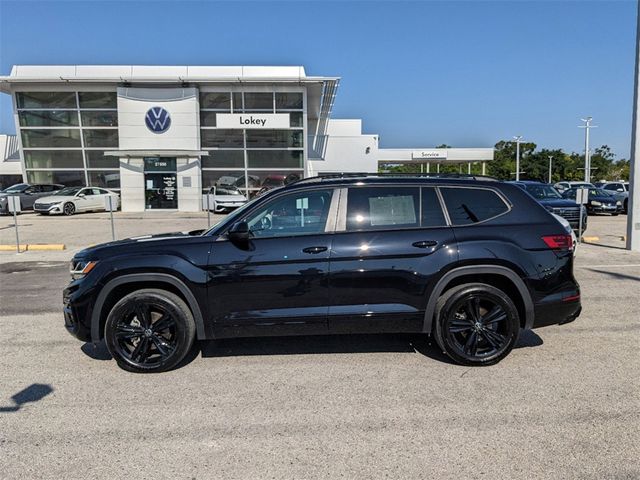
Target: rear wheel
x,y
149,331
476,324
69,208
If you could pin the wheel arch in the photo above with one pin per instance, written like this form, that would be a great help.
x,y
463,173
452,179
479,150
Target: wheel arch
x,y
125,284
506,278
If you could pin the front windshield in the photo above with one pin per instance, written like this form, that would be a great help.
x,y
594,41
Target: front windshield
x,y
17,188
599,192
68,191
542,192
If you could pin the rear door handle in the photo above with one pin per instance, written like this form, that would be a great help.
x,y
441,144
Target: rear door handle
x,y
425,243
314,249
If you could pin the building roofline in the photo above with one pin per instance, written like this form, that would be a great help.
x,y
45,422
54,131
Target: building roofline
x,y
157,74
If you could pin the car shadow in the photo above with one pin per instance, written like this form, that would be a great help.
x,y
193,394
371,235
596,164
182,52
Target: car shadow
x,y
316,345
356,343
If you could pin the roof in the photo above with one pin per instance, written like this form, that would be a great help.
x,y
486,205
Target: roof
x,y
382,178
156,74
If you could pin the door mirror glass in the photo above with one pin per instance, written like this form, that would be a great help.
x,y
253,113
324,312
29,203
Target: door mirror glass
x,y
239,234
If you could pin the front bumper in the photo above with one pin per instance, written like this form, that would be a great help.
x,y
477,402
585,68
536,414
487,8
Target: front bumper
x,y
605,209
48,208
77,308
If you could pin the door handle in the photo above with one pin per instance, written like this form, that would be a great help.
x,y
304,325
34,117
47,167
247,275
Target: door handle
x,y
425,243
314,249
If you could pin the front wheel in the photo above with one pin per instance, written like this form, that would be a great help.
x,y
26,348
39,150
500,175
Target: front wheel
x,y
69,208
149,331
476,324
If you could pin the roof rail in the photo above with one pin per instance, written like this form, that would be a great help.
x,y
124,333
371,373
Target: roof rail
x,y
333,176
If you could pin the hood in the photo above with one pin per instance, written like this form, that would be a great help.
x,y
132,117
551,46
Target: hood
x,y
602,198
558,202
55,199
142,244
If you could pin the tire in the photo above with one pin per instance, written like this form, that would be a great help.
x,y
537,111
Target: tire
x,y
69,208
470,342
626,206
149,331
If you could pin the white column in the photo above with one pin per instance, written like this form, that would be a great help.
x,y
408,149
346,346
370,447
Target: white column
x,y
633,223
484,168
469,168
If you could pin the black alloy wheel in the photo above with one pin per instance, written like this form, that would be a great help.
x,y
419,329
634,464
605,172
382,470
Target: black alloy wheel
x,y
149,331
69,208
477,324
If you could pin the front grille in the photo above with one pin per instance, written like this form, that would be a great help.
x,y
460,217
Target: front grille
x,y
568,213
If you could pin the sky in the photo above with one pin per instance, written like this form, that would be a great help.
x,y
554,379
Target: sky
x,y
419,73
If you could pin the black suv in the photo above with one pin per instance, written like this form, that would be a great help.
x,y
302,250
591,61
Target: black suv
x,y
470,262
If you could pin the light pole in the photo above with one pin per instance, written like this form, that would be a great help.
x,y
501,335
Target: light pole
x,y
633,225
587,158
517,139
550,163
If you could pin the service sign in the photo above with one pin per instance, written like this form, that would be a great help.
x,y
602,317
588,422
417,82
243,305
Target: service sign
x,y
429,154
253,120
14,204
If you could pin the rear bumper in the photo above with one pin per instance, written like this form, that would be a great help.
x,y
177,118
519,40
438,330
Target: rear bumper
x,y
556,313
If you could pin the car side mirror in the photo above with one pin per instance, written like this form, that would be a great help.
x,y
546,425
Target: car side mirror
x,y
620,190
81,195
239,234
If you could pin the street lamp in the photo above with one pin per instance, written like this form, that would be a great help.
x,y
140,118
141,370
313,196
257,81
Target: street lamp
x,y
517,139
587,158
550,163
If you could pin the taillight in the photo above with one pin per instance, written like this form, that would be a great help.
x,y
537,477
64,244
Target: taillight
x,y
559,242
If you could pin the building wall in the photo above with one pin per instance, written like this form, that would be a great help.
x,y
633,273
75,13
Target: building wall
x,y
347,149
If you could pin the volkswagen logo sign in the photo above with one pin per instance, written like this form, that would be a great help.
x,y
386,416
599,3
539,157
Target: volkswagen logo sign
x,y
157,120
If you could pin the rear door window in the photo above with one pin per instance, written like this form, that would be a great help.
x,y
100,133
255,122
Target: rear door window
x,y
380,208
467,206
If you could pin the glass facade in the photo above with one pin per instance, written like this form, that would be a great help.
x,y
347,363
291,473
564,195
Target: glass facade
x,y
64,136
251,158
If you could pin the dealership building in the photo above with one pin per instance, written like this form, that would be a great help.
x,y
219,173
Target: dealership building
x,y
161,134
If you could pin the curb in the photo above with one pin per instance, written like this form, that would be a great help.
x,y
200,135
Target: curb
x,y
34,247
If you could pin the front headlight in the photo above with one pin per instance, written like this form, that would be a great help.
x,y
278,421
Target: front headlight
x,y
595,203
79,268
618,203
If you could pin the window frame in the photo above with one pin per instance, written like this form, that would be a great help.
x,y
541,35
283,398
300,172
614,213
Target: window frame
x,y
330,223
343,213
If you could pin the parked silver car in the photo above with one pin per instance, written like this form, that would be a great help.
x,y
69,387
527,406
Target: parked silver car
x,y
28,194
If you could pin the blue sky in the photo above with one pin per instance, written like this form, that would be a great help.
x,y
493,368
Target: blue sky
x,y
417,73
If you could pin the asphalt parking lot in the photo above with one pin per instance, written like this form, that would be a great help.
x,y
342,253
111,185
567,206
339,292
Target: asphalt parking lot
x,y
564,404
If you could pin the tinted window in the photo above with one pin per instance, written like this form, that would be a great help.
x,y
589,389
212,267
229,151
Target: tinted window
x,y
302,213
371,208
432,215
472,205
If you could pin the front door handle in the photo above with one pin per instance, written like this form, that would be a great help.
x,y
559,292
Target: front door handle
x,y
314,249
425,243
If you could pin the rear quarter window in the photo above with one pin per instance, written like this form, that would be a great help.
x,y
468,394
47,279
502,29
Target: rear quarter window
x,y
467,206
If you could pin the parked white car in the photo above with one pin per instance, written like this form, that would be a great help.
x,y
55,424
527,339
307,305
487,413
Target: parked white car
x,y
70,200
224,198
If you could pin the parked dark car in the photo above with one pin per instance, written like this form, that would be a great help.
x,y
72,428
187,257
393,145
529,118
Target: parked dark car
x,y
28,194
275,181
469,262
547,196
620,191
600,201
